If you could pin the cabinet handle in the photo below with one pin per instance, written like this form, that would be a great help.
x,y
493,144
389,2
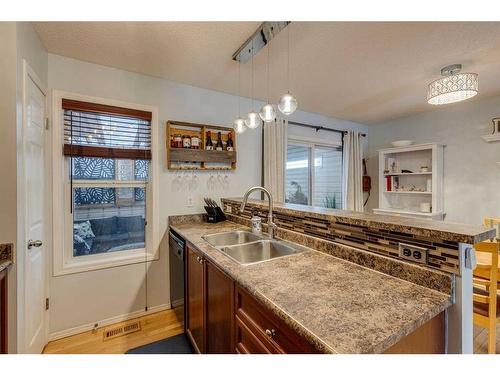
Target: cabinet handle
x,y
270,332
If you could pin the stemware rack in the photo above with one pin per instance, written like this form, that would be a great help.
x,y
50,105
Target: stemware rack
x,y
199,159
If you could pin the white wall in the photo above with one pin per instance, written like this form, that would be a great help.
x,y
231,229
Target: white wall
x,y
89,297
471,176
8,170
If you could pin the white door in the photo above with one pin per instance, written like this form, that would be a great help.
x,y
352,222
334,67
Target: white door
x,y
35,276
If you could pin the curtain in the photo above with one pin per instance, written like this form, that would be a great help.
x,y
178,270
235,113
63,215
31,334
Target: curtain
x,y
275,140
352,191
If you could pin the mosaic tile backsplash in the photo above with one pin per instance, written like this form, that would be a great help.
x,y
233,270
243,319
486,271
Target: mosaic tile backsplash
x,y
442,254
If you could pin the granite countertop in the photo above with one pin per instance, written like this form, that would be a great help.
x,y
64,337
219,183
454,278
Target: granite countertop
x,y
338,306
4,264
457,232
6,256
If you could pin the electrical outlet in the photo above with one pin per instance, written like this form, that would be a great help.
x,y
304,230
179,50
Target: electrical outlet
x,y
414,253
190,202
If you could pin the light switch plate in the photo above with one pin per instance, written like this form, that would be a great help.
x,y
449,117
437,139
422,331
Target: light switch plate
x,y
413,253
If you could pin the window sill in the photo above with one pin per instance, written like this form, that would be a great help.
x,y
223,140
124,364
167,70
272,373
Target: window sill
x,y
102,261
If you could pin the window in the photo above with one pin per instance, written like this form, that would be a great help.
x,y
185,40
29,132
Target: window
x,y
313,173
107,186
107,219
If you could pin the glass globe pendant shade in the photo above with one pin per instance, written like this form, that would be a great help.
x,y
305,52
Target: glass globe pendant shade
x,y
239,125
287,104
253,120
267,113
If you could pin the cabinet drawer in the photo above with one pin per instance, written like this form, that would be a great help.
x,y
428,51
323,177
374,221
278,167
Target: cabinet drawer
x,y
267,327
246,341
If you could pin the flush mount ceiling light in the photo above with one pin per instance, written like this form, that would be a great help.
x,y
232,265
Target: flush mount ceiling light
x,y
453,87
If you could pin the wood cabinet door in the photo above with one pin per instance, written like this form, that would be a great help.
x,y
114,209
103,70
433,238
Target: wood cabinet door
x,y
195,278
220,311
3,312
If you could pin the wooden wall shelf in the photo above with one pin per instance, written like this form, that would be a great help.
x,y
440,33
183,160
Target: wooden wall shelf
x,y
202,156
199,159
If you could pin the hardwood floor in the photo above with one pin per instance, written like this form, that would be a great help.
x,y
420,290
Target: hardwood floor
x,y
481,340
154,327
165,324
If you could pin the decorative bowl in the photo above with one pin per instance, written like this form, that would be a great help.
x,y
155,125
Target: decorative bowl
x,y
402,143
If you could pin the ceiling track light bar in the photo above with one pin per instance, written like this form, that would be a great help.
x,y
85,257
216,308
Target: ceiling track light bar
x,y
259,39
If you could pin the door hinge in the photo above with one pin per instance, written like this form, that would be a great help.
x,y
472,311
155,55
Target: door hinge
x,y
47,303
47,123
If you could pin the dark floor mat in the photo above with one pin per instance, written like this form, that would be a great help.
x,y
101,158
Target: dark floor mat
x,y
173,345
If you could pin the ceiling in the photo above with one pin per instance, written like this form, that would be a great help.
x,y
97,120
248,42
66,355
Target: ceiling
x,y
367,72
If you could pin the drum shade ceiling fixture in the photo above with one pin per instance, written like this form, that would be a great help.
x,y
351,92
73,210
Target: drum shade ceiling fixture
x,y
453,86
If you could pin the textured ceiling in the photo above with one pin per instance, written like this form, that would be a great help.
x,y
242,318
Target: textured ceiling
x,y
366,72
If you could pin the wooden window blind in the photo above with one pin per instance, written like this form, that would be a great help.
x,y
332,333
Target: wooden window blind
x,y
97,130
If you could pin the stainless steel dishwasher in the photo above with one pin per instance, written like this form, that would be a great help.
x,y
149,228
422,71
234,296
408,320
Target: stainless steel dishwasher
x,y
176,260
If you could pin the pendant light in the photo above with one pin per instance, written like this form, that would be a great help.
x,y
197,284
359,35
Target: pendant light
x,y
267,112
239,124
253,120
453,87
288,104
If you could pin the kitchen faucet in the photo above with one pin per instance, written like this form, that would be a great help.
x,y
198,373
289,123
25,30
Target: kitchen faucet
x,y
270,224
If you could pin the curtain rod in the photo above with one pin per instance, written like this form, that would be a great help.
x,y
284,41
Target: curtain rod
x,y
318,128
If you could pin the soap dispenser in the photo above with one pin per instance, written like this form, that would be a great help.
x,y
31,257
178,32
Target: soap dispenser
x,y
256,223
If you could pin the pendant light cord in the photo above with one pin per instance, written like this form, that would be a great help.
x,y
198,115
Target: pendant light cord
x,y
252,77
268,48
288,63
239,88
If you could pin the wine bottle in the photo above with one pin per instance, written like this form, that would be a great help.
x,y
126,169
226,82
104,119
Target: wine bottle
x,y
208,144
229,143
219,146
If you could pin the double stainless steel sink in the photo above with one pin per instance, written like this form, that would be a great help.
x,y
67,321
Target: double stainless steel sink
x,y
248,248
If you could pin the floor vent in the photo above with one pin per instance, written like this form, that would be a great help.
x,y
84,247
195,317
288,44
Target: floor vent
x,y
121,331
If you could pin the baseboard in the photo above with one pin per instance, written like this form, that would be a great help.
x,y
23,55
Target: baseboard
x,y
106,322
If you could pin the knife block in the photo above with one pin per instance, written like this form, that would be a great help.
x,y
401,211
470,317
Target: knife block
x,y
214,214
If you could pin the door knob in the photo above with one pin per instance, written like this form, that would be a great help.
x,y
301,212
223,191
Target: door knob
x,y
35,243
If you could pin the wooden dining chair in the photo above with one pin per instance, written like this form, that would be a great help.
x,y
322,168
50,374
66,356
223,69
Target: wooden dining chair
x,y
485,292
492,222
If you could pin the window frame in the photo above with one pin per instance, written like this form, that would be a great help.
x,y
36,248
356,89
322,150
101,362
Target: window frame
x,y
311,144
64,262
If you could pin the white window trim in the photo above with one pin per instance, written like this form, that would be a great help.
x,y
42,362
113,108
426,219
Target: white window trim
x,y
311,144
63,260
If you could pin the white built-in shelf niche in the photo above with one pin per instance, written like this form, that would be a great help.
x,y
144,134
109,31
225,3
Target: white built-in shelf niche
x,y
491,137
405,193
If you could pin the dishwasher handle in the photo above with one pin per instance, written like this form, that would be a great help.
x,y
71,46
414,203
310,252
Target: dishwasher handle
x,y
178,240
